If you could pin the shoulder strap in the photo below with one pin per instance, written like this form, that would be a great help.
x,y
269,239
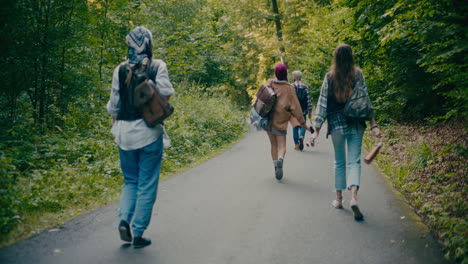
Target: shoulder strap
x,y
270,84
124,68
152,70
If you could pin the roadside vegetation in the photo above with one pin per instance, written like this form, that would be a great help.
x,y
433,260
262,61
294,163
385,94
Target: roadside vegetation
x,y
71,170
56,153
428,165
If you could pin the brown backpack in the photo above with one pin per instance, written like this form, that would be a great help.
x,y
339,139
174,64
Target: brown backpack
x,y
266,99
155,107
143,99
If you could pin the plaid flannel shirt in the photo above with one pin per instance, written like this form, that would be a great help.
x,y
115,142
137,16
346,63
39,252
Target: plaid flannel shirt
x,y
336,120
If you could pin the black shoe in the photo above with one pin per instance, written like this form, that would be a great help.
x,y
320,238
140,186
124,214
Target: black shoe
x,y
124,230
301,144
357,213
279,169
140,242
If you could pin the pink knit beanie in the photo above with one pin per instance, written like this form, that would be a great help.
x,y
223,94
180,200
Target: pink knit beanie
x,y
281,72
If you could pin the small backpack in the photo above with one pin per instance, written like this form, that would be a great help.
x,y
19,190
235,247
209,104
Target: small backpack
x,y
155,107
359,106
266,99
144,95
302,96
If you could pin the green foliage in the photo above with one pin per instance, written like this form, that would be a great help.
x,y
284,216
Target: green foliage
x,y
313,32
419,46
411,51
203,124
55,56
77,165
32,57
421,155
191,43
71,166
56,152
431,174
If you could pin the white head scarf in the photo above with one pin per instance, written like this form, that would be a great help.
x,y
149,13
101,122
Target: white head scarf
x,y
140,42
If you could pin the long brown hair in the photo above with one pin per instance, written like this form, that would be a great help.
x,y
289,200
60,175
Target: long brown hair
x,y
342,72
142,65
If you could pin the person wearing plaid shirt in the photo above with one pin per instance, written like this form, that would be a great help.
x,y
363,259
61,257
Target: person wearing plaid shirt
x,y
337,87
302,92
336,120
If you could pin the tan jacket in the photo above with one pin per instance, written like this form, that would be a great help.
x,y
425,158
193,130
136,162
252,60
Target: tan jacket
x,y
287,107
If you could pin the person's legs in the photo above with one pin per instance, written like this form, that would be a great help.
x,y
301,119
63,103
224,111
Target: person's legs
x,y
354,158
281,141
338,202
273,145
129,164
339,141
353,203
296,132
354,166
340,168
278,150
150,166
302,130
301,138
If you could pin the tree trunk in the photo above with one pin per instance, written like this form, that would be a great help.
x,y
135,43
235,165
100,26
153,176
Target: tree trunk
x,y
34,96
63,99
44,64
279,31
103,36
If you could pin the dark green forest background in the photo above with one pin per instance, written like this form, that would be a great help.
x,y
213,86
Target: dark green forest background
x,y
57,58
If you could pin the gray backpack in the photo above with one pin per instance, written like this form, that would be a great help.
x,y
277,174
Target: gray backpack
x,y
359,106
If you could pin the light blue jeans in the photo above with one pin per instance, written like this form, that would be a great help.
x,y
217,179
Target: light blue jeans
x,y
141,169
298,132
354,144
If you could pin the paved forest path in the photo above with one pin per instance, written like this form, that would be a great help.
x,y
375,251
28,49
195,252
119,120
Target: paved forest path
x,y
231,209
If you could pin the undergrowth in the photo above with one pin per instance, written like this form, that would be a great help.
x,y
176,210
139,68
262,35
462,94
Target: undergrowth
x,y
47,178
429,166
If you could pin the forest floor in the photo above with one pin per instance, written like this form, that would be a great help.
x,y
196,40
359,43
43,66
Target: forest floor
x,y
428,164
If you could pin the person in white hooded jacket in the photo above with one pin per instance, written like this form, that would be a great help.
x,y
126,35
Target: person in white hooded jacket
x,y
140,146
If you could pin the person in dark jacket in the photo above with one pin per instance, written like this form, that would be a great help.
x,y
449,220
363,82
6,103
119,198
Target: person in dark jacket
x,y
302,92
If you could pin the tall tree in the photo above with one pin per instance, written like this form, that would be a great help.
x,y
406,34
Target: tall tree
x,y
279,31
415,50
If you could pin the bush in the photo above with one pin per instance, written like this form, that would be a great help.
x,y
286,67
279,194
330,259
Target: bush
x,y
75,168
431,173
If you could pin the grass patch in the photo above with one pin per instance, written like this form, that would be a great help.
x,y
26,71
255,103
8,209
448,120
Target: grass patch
x,y
428,165
50,178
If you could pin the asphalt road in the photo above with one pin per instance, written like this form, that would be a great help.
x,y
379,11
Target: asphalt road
x,y
231,209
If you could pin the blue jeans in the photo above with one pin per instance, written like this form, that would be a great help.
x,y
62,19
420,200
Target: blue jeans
x,y
141,169
354,142
298,132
